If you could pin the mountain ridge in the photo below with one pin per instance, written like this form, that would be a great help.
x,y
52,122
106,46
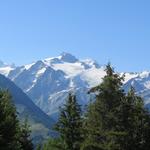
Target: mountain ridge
x,y
48,81
37,119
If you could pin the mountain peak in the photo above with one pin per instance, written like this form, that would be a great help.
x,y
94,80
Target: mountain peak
x,y
67,57
2,64
91,63
6,68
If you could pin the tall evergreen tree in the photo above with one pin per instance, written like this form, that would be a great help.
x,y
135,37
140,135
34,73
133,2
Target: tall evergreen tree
x,y
116,121
13,135
69,124
135,122
25,137
9,124
146,131
101,122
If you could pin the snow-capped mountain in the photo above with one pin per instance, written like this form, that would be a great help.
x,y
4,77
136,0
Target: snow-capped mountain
x,y
6,68
141,83
47,82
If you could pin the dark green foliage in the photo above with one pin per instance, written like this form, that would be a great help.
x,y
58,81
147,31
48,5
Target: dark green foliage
x,y
39,147
101,122
9,124
92,147
116,121
53,144
69,124
135,122
12,135
39,121
24,137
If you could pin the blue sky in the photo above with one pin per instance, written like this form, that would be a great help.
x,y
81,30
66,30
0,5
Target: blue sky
x,y
105,30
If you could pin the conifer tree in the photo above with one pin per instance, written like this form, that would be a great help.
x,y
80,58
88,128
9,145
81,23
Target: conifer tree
x,y
69,124
146,131
116,121
13,135
9,124
25,137
101,121
135,122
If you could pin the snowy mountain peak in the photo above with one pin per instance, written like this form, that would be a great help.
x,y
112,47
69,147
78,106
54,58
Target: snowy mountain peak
x,y
48,81
62,58
144,74
67,57
90,63
2,64
6,68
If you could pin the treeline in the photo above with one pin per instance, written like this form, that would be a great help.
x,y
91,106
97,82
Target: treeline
x,y
115,120
13,134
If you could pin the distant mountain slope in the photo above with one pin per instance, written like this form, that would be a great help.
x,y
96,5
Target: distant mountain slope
x,y
141,83
47,82
6,68
38,120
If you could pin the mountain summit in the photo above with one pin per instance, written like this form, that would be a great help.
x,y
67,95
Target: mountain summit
x,y
67,57
47,82
2,64
6,68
